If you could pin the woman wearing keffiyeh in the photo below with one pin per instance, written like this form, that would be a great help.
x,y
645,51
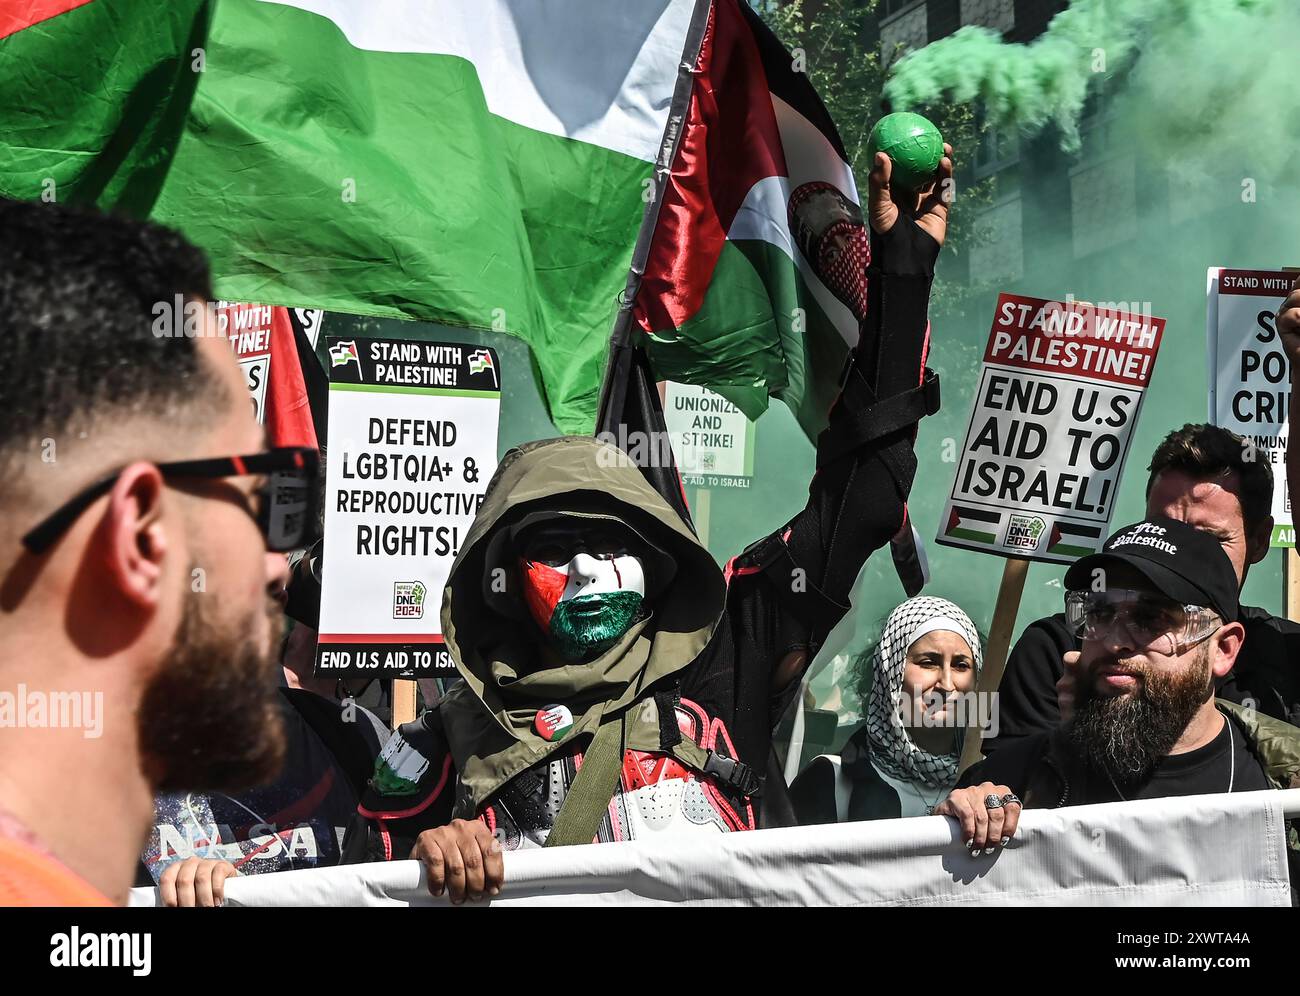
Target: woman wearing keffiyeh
x,y
903,760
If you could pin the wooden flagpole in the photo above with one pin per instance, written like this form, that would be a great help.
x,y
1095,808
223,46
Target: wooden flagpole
x,y
1291,584
1003,626
1290,559
403,701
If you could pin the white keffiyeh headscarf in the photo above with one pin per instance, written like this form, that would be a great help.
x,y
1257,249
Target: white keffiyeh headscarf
x,y
891,746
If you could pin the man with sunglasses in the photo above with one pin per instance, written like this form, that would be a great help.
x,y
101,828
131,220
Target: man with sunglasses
x,y
136,565
1215,480
1158,616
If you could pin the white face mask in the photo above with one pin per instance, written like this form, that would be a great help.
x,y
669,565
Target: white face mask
x,y
586,603
588,575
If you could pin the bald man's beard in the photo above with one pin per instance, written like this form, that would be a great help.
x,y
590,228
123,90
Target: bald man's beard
x,y
1125,736
210,718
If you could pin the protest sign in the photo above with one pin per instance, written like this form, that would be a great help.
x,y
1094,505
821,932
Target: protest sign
x,y
1250,378
413,444
712,439
262,339
310,320
1058,395
248,329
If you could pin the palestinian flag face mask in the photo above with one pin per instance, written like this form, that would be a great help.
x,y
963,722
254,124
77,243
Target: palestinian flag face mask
x,y
583,595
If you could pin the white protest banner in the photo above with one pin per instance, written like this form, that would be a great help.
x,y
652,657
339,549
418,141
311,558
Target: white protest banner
x,y
1250,382
712,439
1206,850
1058,395
413,444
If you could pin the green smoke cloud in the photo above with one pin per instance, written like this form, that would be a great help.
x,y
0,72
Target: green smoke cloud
x,y
1209,79
1197,164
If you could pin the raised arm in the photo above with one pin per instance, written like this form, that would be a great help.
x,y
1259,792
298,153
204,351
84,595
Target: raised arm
x,y
865,464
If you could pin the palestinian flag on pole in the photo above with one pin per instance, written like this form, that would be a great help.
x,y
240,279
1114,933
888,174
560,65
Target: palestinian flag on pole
x,y
755,282
975,525
482,164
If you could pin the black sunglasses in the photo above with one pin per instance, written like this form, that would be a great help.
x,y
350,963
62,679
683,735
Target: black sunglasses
x,y
285,510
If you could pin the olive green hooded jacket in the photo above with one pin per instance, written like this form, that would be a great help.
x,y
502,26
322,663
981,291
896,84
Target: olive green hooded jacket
x,y
489,718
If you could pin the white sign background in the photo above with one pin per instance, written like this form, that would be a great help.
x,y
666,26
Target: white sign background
x,y
1248,393
412,447
698,431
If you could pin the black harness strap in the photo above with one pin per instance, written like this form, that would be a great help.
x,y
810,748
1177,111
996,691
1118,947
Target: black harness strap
x,y
670,731
858,426
803,599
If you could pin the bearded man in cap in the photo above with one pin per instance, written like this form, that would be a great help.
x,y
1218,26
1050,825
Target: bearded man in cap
x,y
1158,615
617,683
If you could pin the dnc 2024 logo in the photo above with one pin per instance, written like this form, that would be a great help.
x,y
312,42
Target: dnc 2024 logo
x,y
1024,532
408,599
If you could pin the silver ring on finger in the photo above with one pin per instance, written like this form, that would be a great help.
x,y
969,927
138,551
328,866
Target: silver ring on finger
x,y
992,801
1011,797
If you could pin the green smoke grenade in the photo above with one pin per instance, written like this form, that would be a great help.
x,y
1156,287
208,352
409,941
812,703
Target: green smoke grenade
x,y
912,142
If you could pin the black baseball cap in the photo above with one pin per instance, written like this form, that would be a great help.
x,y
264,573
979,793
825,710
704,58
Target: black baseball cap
x,y
1180,561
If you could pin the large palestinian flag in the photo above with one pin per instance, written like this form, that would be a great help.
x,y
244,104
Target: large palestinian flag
x,y
756,277
483,163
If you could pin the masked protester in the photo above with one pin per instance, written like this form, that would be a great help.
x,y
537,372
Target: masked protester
x,y
903,760
617,683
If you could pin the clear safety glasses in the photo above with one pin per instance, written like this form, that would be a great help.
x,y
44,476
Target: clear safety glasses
x,y
1150,621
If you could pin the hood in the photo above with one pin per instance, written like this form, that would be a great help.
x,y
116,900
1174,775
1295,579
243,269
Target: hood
x,y
494,642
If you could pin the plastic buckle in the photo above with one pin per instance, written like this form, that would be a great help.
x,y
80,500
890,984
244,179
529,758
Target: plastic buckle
x,y
930,391
736,774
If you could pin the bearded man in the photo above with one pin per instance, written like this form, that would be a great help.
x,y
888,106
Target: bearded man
x,y
136,582
1158,616
617,683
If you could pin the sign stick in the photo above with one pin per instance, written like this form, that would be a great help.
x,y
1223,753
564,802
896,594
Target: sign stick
x,y
703,499
403,701
995,654
1290,559
1291,584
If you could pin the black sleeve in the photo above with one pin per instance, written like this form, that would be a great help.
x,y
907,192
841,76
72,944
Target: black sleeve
x,y
813,794
1267,672
1027,696
1012,766
865,462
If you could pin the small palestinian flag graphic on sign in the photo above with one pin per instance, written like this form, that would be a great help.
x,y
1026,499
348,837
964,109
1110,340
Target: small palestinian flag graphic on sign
x,y
481,360
1071,540
973,524
343,353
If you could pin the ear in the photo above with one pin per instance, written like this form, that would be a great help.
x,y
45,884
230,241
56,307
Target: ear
x,y
1257,549
1226,644
134,540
